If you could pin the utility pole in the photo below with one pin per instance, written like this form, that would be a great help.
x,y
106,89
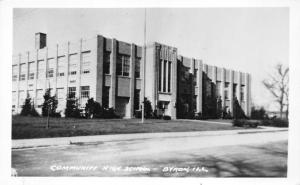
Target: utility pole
x,y
144,67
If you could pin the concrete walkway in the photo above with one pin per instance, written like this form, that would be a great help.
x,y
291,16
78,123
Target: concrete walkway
x,y
63,141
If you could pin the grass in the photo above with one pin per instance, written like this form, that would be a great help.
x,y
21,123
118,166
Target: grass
x,y
35,127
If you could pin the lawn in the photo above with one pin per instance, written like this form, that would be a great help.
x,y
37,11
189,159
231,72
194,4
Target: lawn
x,y
35,127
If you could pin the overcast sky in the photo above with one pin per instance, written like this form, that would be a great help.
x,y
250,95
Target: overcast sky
x,y
250,40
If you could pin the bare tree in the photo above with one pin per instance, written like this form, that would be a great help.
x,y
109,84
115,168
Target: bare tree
x,y
278,85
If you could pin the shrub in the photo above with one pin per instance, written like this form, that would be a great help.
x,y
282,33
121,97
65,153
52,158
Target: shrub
x,y
166,117
258,113
277,122
72,110
93,109
50,104
110,114
245,123
28,108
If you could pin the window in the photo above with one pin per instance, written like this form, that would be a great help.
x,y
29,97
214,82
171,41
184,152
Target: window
x,y
242,93
61,66
31,69
123,65
105,97
23,72
106,63
137,67
226,93
51,67
119,65
22,77
169,76
164,76
195,76
126,64
14,77
50,73
86,71
14,98
72,72
85,92
218,88
73,64
71,92
41,69
160,75
31,76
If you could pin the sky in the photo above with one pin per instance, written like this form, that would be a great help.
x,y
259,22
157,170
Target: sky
x,y
251,40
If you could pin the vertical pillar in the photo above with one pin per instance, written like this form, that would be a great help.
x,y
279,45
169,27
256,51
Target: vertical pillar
x,y
18,85
78,73
27,74
173,87
132,81
35,77
68,69
55,70
238,87
162,61
214,75
231,90
199,84
47,83
247,94
98,55
113,63
223,87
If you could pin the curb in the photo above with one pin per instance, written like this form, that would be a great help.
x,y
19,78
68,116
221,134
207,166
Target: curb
x,y
100,139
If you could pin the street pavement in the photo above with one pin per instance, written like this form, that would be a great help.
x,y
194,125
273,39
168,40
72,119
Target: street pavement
x,y
261,154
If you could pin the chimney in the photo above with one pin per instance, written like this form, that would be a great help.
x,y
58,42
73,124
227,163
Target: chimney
x,y
40,40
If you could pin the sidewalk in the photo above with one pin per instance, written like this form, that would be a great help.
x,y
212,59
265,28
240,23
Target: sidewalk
x,y
64,141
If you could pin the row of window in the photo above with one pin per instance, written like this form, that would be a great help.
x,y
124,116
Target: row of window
x,y
84,95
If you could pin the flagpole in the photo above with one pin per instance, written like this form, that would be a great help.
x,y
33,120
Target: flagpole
x,y
144,67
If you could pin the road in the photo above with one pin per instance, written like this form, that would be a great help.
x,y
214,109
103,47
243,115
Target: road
x,y
239,155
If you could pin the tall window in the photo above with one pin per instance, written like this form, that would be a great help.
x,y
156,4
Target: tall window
x,y
61,66
169,76
195,76
84,94
14,99
218,88
51,66
73,58
160,74
164,76
106,62
137,68
123,65
226,93
15,73
41,69
31,69
86,62
243,93
23,72
72,92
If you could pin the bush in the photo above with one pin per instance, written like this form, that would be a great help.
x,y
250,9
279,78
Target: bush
x,y
258,113
245,123
110,114
50,104
72,109
166,117
28,108
277,122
